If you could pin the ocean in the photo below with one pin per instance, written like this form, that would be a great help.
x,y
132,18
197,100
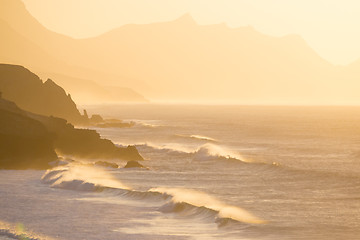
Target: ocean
x,y
214,172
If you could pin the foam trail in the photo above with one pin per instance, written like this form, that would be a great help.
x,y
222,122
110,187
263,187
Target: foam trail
x,y
200,199
198,137
146,123
149,125
176,147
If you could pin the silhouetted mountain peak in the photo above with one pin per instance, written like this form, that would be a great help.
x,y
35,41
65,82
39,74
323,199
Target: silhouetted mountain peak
x,y
50,82
186,18
26,89
52,87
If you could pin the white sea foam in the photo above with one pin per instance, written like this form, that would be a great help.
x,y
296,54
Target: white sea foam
x,y
200,199
176,147
85,178
204,152
198,137
209,151
146,123
81,177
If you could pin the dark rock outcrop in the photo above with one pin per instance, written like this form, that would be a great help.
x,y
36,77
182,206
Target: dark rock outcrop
x,y
84,143
26,89
134,164
24,142
115,124
106,164
29,140
96,118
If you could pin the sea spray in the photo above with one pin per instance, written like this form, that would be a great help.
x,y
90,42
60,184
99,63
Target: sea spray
x,y
176,147
204,152
78,175
200,199
200,137
197,137
90,178
209,151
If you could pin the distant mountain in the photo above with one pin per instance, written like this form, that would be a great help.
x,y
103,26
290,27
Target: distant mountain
x,y
26,42
89,92
28,91
181,60
17,49
184,60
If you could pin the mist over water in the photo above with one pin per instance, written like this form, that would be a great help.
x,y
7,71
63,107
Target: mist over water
x,y
294,169
206,168
314,138
215,172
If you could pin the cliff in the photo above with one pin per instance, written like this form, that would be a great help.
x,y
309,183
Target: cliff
x,y
84,143
29,140
85,91
27,90
25,142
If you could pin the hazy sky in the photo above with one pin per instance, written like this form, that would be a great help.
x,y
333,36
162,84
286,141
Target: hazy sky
x,y
331,27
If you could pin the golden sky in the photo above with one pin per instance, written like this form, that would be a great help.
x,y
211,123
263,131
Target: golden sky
x,y
331,27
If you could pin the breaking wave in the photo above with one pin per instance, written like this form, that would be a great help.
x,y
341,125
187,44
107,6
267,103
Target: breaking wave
x,y
75,176
147,123
207,151
211,151
167,147
198,137
184,202
197,203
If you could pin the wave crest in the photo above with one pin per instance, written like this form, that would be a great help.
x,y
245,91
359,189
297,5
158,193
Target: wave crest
x,y
81,177
210,151
186,202
199,203
197,137
167,147
207,151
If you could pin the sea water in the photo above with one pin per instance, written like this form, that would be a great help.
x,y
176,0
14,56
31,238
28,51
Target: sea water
x,y
214,172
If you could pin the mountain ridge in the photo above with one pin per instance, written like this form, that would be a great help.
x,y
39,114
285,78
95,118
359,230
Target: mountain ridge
x,y
182,60
42,49
32,141
20,85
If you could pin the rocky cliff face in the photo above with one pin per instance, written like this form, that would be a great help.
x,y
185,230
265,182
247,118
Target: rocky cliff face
x,y
25,142
27,90
29,140
84,143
